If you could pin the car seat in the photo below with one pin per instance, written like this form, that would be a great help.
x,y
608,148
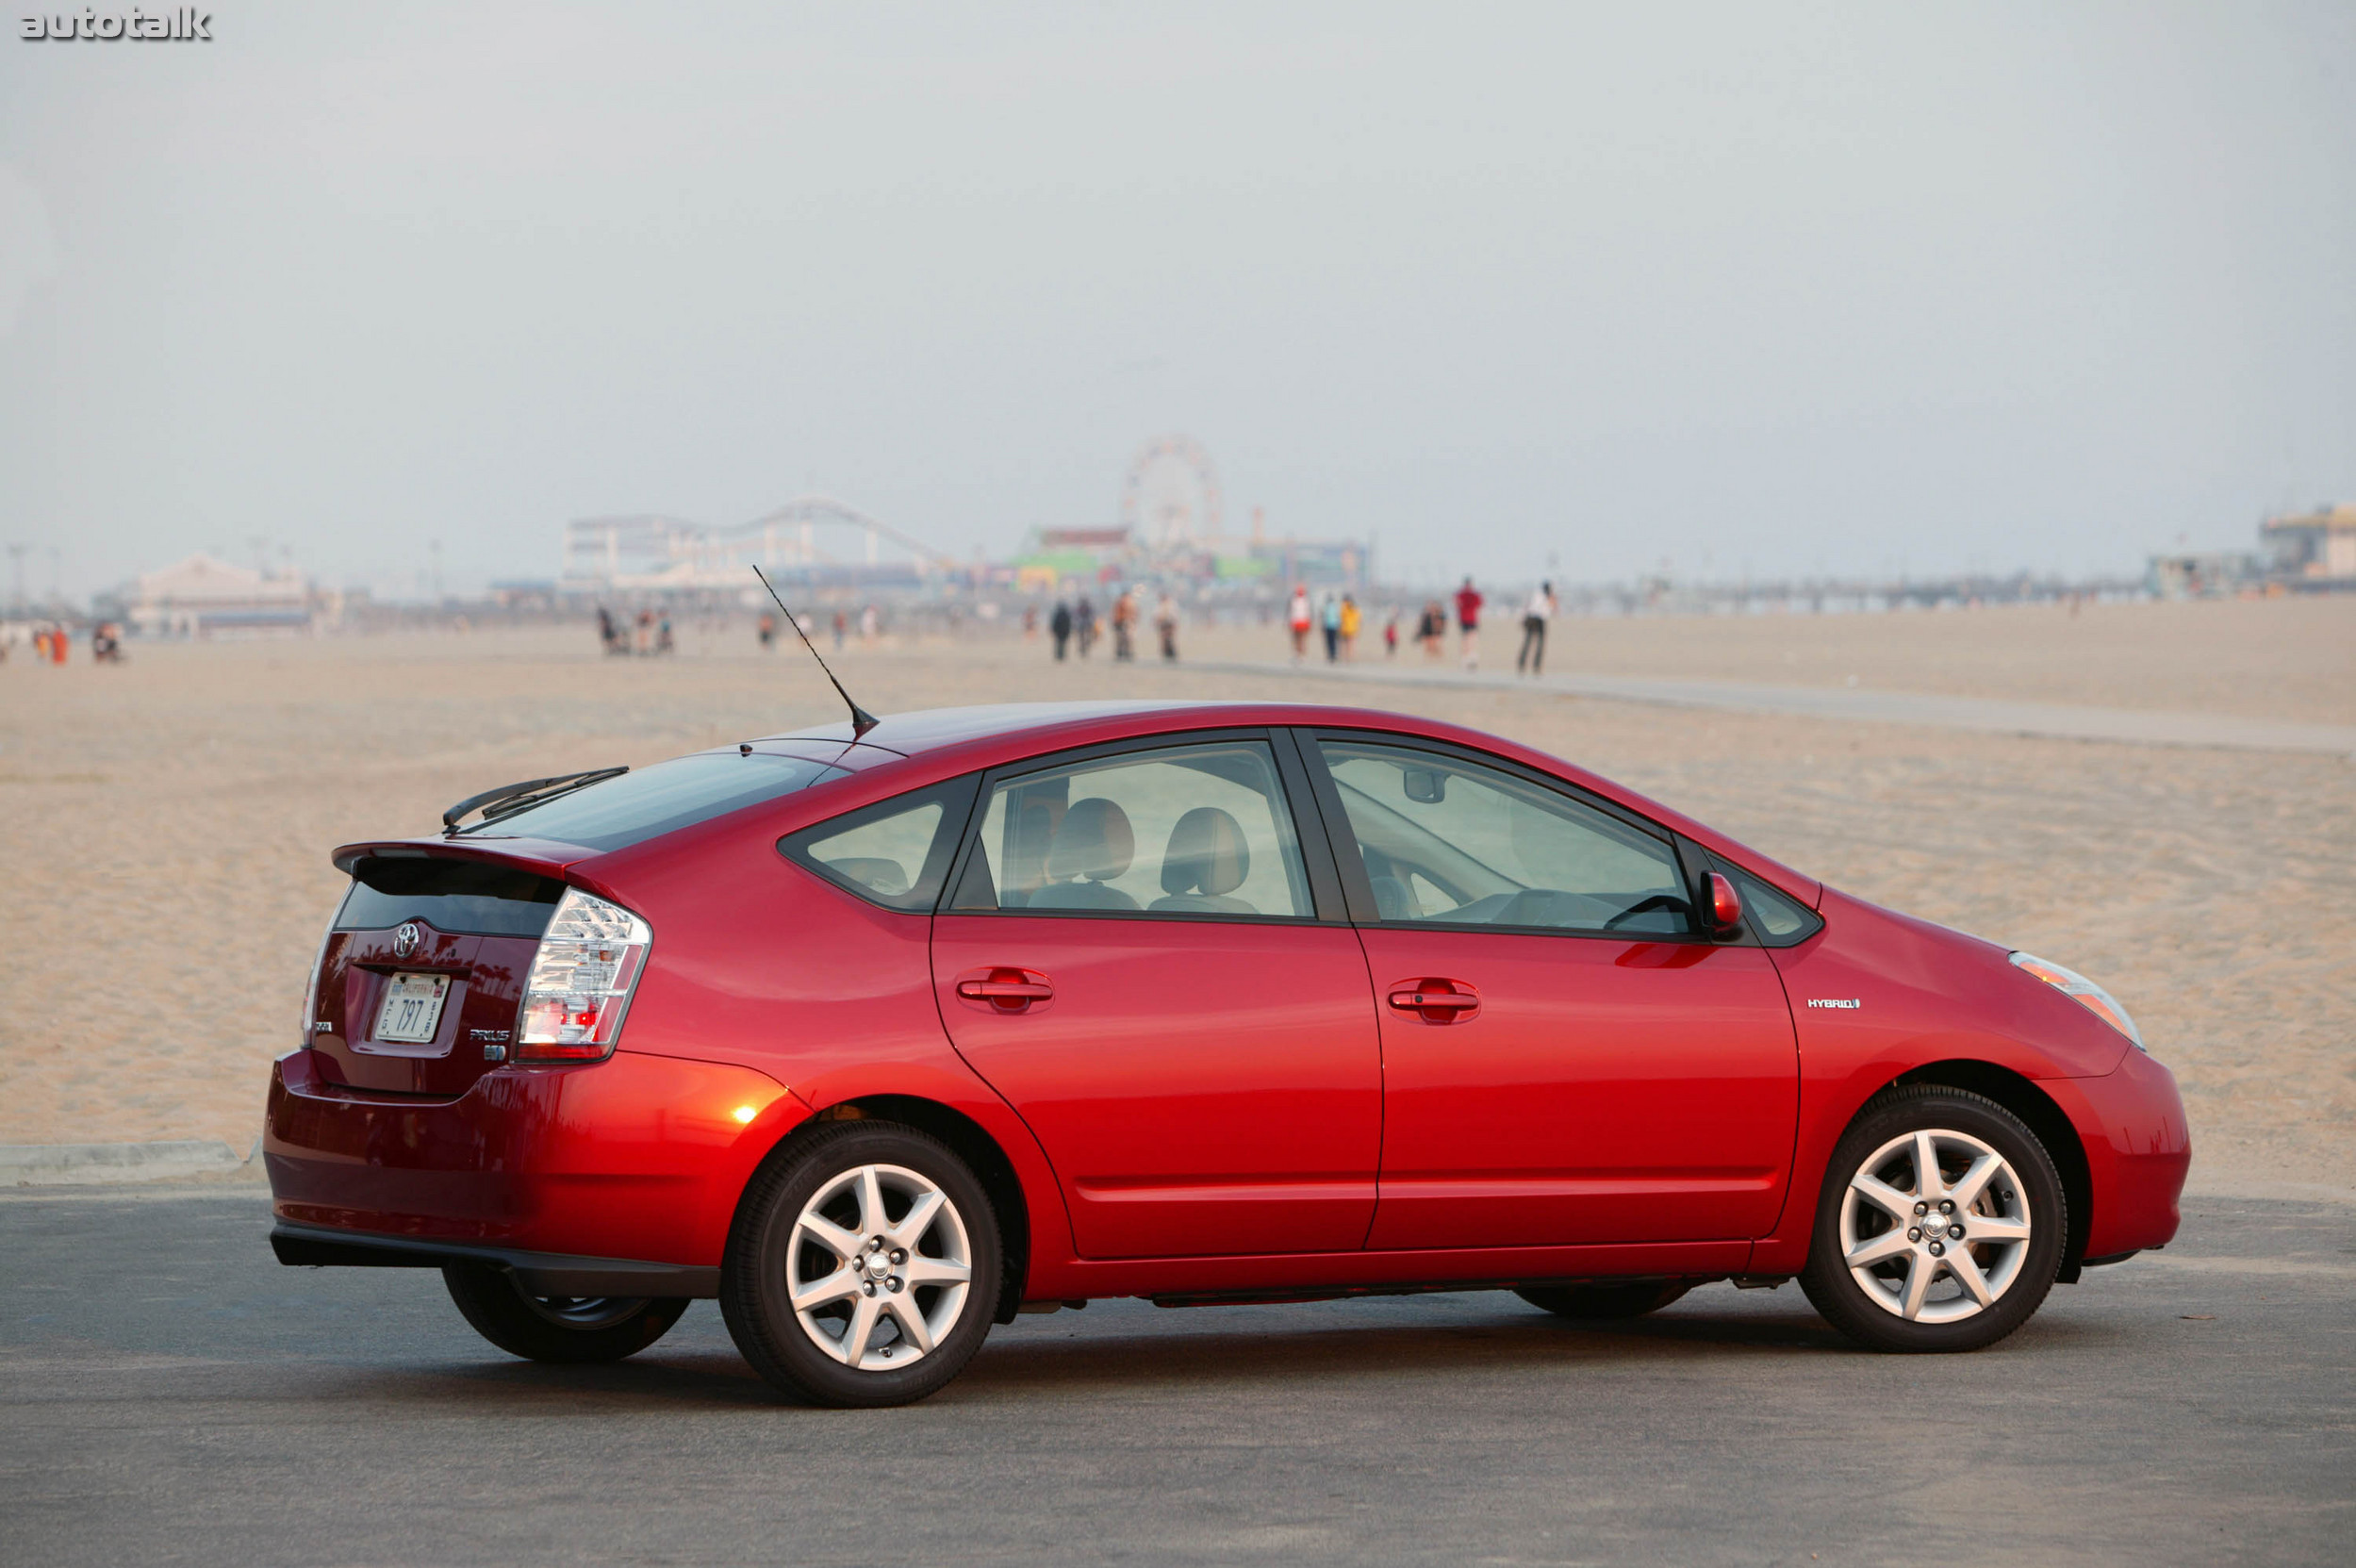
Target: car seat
x,y
1206,860
1092,845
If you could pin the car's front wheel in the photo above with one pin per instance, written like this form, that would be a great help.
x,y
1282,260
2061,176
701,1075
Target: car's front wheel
x,y
565,1329
1940,1223
863,1267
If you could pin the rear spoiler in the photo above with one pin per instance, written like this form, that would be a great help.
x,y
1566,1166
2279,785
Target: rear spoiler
x,y
543,855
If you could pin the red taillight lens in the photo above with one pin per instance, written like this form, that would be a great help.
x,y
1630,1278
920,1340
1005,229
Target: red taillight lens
x,y
590,961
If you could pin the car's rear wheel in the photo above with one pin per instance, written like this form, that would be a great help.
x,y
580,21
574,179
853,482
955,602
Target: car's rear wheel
x,y
574,1328
1940,1223
1603,1303
863,1266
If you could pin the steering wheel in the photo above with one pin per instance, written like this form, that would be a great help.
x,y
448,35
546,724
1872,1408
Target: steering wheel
x,y
1646,906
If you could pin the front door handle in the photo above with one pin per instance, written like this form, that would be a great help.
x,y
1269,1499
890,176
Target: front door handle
x,y
1005,989
1436,1001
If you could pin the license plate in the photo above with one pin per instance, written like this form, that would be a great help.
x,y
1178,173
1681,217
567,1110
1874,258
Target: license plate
x,y
413,1008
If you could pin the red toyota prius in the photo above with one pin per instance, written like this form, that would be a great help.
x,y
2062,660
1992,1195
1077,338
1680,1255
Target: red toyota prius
x,y
884,1035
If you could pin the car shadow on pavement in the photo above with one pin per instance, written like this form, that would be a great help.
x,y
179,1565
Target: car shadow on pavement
x,y
1338,1352
1126,1349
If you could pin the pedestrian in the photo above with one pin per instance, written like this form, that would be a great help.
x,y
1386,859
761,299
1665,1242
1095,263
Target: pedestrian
x,y
1165,620
870,624
1468,604
842,628
766,632
1124,626
1030,623
1430,628
645,631
1390,635
1350,619
105,643
662,634
608,634
1535,615
1084,627
1060,628
1296,616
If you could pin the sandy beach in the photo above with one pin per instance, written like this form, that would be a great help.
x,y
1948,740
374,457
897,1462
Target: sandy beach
x,y
165,825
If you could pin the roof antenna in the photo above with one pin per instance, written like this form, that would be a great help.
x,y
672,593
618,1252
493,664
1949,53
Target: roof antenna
x,y
861,719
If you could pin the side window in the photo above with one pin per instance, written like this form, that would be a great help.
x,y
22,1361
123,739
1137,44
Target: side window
x,y
1781,921
1456,843
1181,830
894,852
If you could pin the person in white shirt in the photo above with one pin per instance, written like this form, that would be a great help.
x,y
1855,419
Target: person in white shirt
x,y
1535,615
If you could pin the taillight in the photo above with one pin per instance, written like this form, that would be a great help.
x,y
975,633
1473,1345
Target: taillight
x,y
310,992
590,958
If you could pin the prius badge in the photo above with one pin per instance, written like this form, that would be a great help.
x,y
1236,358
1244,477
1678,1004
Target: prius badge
x,y
1848,1003
406,940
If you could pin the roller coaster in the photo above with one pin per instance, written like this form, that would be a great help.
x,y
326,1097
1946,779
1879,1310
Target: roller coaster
x,y
810,542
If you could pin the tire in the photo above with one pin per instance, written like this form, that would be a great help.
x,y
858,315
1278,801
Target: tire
x,y
879,1324
1913,1293
1605,1303
561,1329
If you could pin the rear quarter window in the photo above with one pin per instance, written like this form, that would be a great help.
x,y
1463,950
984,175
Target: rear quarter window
x,y
896,852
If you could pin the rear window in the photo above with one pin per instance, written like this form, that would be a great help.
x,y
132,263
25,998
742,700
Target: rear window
x,y
650,801
449,895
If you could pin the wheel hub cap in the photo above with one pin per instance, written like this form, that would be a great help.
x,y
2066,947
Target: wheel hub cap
x,y
879,1267
1933,1228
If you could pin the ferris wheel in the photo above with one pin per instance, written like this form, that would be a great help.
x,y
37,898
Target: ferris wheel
x,y
1171,498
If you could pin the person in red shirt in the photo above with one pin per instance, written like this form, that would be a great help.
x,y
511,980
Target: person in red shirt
x,y
1469,622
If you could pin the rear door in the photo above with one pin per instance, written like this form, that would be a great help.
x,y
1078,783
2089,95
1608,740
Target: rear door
x,y
1133,956
1567,1059
422,972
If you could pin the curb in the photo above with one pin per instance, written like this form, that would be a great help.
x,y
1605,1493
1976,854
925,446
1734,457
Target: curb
x,y
85,1164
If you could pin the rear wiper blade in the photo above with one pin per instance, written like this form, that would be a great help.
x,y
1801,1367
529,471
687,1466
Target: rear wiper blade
x,y
510,798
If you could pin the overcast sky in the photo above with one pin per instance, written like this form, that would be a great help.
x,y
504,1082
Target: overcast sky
x,y
1770,288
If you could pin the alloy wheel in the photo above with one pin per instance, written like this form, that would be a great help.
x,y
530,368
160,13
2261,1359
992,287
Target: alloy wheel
x,y
585,1311
1935,1227
879,1267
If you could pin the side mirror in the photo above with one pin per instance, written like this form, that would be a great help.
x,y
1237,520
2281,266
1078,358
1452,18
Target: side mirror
x,y
1726,906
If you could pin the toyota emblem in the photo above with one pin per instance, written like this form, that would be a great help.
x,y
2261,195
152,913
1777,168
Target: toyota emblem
x,y
406,940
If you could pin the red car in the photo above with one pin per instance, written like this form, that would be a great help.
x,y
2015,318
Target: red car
x,y
882,1037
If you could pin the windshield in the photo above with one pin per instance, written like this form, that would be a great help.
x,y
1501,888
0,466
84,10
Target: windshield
x,y
634,806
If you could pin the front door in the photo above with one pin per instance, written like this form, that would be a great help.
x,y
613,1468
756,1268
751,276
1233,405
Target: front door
x,y
1565,1058
1133,960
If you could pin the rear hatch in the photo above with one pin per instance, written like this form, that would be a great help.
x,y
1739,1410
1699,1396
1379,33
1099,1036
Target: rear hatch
x,y
422,972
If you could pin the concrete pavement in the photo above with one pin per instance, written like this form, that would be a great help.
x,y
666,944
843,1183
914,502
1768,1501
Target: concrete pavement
x,y
170,1393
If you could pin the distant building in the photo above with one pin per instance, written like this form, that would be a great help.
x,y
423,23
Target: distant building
x,y
202,597
2315,548
2201,574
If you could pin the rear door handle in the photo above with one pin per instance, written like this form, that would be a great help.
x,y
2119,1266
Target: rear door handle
x,y
1436,1001
1005,989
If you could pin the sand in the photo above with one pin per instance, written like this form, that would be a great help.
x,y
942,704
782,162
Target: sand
x,y
165,825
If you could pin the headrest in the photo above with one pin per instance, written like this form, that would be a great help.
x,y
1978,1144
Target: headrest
x,y
1207,854
1094,840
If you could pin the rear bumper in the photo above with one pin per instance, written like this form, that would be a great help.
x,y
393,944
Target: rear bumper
x,y
541,1272
597,1169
